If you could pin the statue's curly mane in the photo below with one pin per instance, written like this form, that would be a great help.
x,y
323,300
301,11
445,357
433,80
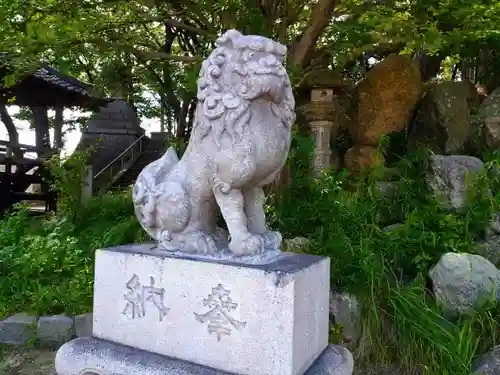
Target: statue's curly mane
x,y
222,106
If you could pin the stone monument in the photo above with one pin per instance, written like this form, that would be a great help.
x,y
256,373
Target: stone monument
x,y
203,300
324,114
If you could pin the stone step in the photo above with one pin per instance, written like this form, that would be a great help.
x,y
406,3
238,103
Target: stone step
x,y
152,152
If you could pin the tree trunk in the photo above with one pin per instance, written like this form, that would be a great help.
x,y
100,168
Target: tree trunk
x,y
11,130
169,94
190,118
182,120
170,127
41,120
58,125
162,117
302,50
430,66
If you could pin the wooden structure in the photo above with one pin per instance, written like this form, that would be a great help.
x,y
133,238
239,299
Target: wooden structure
x,y
48,88
18,174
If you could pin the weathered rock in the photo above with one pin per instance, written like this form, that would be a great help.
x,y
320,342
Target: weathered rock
x,y
443,122
296,244
488,364
490,250
462,281
17,329
386,188
83,325
493,227
55,330
345,116
362,157
335,360
346,311
494,224
489,113
386,98
472,94
449,178
393,227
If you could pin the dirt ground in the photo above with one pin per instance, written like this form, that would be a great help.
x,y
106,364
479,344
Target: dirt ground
x,y
24,361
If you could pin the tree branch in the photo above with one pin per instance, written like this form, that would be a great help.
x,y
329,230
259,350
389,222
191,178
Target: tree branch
x,y
293,16
87,70
320,18
184,26
11,130
145,54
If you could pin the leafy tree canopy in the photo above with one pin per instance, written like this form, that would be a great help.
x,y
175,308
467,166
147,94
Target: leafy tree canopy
x,y
149,50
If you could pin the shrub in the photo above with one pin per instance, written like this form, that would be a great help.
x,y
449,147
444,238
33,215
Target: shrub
x,y
47,267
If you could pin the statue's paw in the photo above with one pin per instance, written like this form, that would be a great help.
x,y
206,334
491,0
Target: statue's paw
x,y
221,237
165,242
251,245
272,240
198,242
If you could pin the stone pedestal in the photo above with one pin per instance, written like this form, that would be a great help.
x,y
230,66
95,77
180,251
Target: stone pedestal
x,y
177,314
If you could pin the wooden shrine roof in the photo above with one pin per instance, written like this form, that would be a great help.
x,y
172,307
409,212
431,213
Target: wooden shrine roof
x,y
48,87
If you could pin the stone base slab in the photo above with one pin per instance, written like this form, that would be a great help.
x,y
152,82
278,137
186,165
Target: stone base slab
x,y
250,317
92,356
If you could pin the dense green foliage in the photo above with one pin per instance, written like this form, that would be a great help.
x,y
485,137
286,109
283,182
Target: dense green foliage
x,y
345,216
149,51
47,264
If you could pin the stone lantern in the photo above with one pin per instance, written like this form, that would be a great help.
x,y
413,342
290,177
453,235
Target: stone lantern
x,y
323,113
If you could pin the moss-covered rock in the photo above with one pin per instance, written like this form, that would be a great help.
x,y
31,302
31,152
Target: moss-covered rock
x,y
490,117
363,157
386,99
443,121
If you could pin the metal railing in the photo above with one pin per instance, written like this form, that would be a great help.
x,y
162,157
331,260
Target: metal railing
x,y
116,167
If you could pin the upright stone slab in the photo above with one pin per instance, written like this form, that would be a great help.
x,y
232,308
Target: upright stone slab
x,y
252,319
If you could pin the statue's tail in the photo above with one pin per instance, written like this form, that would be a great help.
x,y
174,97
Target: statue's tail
x,y
165,164
145,187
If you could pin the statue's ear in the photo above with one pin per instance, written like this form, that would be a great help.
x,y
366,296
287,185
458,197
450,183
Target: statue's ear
x,y
228,38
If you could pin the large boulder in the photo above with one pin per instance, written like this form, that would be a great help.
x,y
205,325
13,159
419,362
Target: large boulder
x,y
386,99
488,364
493,228
489,113
449,178
490,250
346,311
462,281
443,121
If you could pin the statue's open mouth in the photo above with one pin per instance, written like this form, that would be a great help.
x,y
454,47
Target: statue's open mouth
x,y
265,87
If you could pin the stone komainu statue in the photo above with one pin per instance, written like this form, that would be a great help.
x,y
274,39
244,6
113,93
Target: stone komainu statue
x,y
239,143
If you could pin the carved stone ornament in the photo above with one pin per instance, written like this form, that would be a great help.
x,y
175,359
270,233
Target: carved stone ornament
x,y
239,143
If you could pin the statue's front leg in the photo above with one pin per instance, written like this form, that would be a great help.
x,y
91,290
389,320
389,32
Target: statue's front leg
x,y
231,205
254,198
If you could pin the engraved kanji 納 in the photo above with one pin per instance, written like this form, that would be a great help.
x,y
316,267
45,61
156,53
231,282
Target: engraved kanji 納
x,y
140,294
219,321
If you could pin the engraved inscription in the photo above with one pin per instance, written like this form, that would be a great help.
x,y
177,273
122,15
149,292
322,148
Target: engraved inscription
x,y
218,318
139,294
